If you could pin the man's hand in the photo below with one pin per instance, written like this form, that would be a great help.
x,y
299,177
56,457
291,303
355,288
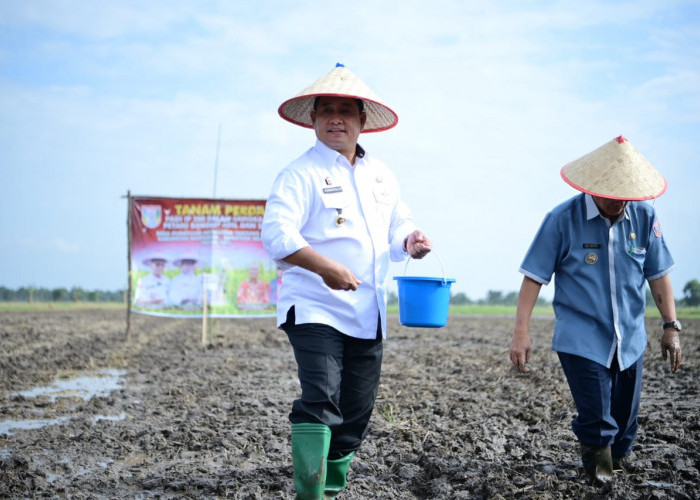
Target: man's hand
x,y
520,350
521,346
417,244
662,292
338,277
334,274
671,347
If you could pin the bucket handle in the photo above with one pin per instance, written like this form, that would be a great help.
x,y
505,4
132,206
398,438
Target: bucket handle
x,y
444,278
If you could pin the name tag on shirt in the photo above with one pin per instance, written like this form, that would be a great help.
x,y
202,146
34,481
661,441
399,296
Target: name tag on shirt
x,y
334,189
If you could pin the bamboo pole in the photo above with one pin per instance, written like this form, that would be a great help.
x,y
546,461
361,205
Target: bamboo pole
x,y
205,307
128,260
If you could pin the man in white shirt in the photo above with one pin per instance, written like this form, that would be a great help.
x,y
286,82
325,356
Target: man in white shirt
x,y
333,221
153,288
186,288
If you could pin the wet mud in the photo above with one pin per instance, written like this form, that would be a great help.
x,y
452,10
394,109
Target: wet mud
x,y
185,420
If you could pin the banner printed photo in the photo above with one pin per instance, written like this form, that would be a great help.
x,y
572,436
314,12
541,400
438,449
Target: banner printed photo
x,y
187,252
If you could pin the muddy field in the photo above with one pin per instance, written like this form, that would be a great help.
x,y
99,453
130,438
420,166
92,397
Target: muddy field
x,y
453,420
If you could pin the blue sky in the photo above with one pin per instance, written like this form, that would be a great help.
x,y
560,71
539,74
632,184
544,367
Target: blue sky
x,y
493,98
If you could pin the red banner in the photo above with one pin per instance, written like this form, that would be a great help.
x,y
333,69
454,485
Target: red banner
x,y
187,253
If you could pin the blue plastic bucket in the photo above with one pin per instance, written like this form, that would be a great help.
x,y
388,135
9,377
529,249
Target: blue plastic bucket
x,y
423,301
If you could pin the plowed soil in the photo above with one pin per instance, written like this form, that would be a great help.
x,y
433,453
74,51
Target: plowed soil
x,y
452,420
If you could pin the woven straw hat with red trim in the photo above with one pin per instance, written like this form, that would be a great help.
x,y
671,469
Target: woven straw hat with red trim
x,y
617,171
340,82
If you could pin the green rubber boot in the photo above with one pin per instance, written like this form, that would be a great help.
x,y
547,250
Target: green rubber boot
x,y
336,478
310,443
597,462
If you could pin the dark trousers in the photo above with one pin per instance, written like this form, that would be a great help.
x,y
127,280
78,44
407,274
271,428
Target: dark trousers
x,y
339,377
607,401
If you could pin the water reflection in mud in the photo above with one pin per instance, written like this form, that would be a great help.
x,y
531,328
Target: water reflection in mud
x,y
85,386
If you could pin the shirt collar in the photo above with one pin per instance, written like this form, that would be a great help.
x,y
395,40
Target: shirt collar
x,y
592,209
330,155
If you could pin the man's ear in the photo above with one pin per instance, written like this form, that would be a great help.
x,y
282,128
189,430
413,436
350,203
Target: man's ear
x,y
363,119
312,114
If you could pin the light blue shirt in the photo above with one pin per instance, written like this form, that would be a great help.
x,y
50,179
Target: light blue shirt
x,y
600,271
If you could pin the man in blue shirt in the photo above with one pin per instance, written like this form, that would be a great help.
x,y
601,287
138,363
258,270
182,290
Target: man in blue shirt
x,y
603,246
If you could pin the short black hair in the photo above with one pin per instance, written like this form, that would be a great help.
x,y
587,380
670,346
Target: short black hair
x,y
360,103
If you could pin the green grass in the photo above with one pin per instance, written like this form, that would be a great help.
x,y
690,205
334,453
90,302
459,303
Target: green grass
x,y
60,306
477,309
681,312
473,309
481,309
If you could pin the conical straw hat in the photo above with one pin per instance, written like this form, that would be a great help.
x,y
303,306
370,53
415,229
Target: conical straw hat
x,y
615,170
340,82
154,256
187,256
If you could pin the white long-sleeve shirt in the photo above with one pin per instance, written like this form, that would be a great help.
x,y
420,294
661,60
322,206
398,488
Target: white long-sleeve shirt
x,y
186,288
152,291
305,201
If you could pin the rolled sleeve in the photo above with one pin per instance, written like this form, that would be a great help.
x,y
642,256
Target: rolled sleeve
x,y
541,258
534,277
284,216
658,262
401,226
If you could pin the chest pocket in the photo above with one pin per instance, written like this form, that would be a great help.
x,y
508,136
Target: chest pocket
x,y
337,204
335,199
383,195
636,248
636,255
384,201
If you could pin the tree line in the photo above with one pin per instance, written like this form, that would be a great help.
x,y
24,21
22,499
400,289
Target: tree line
x,y
75,294
691,296
493,298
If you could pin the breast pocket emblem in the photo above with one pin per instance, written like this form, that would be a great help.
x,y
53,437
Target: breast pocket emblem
x,y
591,258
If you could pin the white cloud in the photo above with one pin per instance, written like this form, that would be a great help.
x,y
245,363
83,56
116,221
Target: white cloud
x,y
493,98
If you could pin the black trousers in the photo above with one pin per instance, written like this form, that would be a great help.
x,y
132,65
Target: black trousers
x,y
339,377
